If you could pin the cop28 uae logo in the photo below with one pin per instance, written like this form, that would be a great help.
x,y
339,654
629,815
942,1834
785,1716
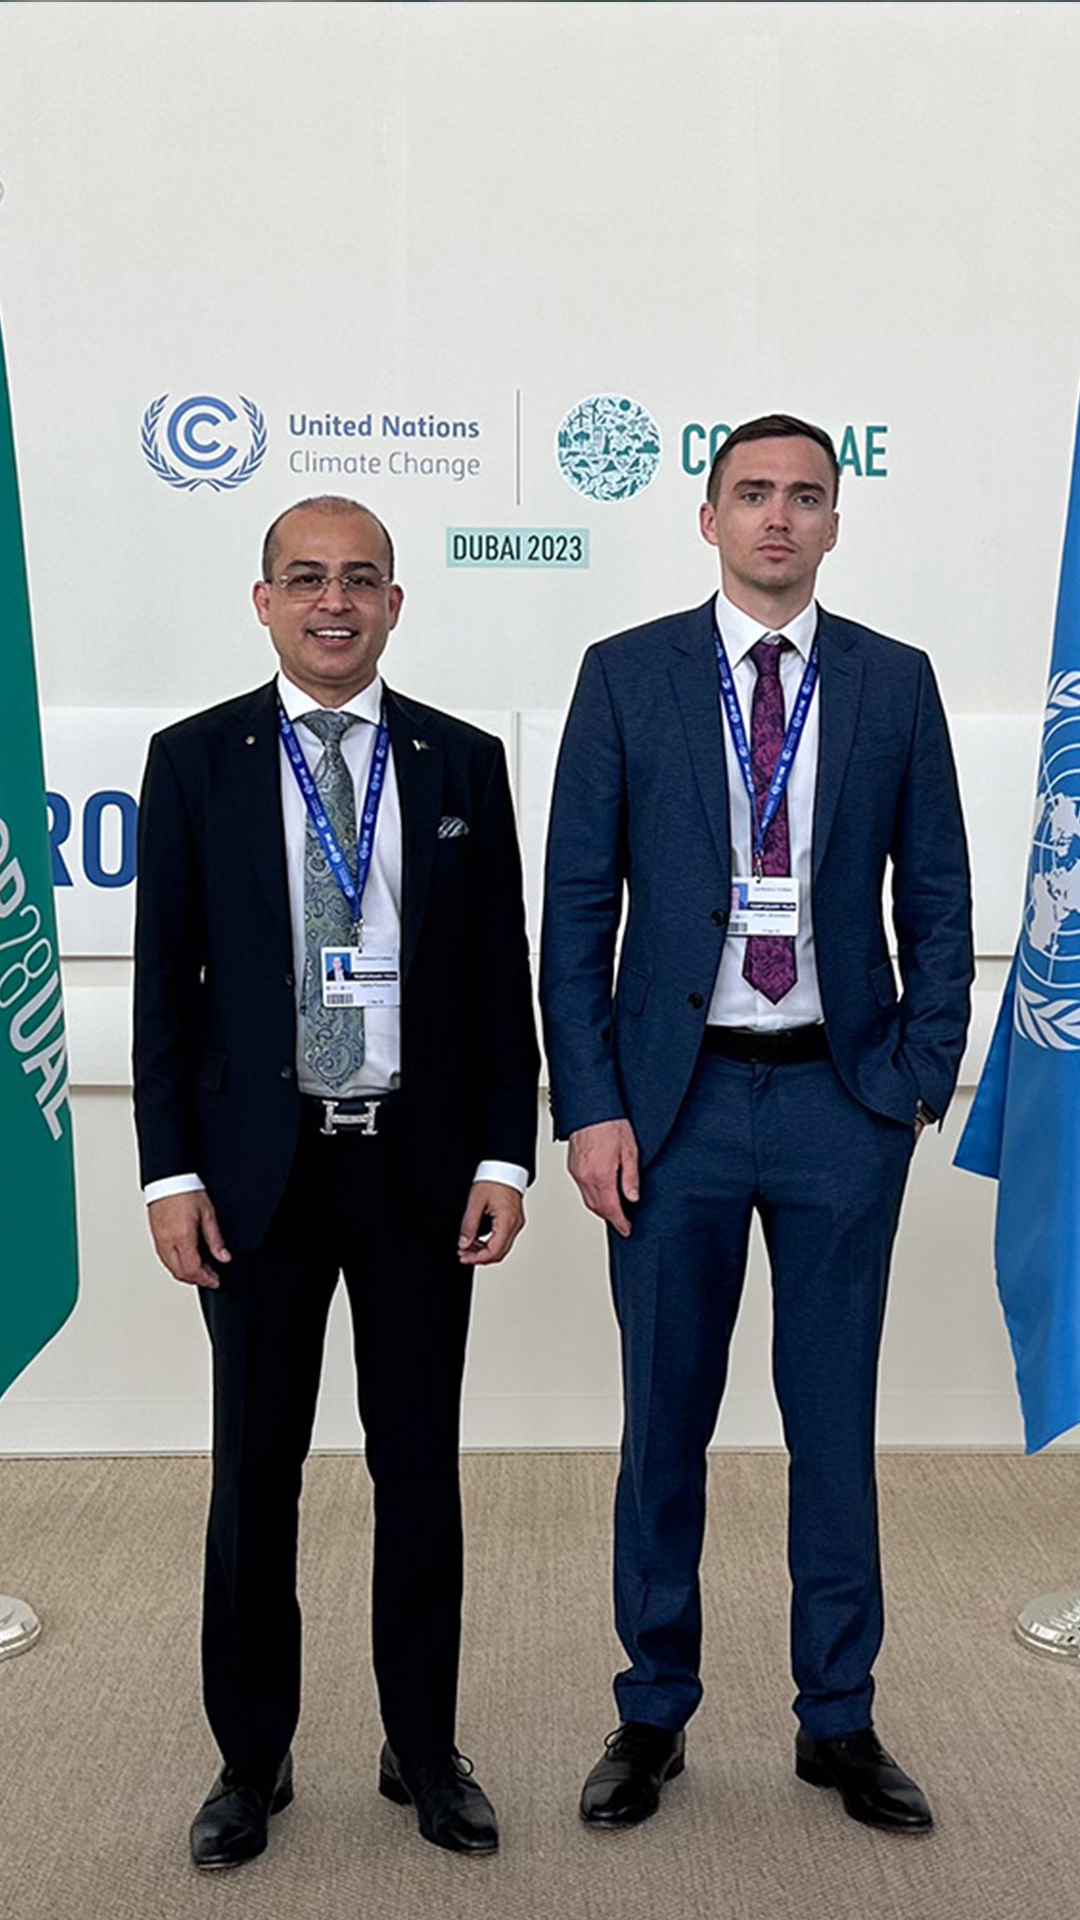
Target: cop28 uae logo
x,y
211,444
608,447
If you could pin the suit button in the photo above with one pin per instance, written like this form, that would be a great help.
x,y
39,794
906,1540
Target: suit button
x,y
286,1073
696,1000
719,917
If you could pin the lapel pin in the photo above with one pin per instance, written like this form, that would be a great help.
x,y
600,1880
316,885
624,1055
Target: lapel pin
x,y
250,741
422,746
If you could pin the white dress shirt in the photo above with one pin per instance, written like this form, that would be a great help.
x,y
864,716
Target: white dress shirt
x,y
380,1071
381,1068
735,1003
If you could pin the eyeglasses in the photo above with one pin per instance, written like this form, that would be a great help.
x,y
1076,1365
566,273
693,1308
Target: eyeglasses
x,y
310,583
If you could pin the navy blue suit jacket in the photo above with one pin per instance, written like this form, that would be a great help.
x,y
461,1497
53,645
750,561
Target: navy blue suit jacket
x,y
641,804
215,1003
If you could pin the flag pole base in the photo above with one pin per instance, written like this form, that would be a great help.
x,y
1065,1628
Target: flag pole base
x,y
19,1626
1051,1624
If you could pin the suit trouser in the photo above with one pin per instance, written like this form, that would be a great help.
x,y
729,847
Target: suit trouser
x,y
409,1301
826,1178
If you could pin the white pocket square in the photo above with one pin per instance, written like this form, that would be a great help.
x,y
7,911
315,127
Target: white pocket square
x,y
451,828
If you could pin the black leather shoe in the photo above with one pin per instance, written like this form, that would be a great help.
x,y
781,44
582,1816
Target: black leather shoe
x,y
452,1809
871,1785
624,1786
230,1826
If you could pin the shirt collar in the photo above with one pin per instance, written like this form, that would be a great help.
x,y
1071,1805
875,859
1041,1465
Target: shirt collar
x,y
739,632
366,705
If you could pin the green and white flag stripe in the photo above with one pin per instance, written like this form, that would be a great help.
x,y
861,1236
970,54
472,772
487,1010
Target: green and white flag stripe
x,y
38,1256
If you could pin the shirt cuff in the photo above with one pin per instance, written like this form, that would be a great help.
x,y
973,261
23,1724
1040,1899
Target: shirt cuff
x,y
176,1183
505,1172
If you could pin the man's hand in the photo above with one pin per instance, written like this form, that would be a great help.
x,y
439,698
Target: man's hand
x,y
603,1161
505,1210
177,1223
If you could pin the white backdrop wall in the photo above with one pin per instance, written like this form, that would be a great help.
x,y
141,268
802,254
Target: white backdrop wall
x,y
385,236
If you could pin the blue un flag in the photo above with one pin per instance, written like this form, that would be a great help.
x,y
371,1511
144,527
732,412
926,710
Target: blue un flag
x,y
1024,1126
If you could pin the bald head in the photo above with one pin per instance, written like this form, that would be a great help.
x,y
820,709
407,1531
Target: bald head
x,y
328,503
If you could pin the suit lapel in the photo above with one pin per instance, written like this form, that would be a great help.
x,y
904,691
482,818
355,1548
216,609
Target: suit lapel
x,y
256,780
693,675
418,768
840,690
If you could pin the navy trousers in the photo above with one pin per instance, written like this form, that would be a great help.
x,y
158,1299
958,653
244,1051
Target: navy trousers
x,y
827,1178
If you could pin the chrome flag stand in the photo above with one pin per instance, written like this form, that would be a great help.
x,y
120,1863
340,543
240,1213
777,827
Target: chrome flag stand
x,y
19,1626
1051,1624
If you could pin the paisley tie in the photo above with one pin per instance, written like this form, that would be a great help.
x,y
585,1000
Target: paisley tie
x,y
333,1037
769,961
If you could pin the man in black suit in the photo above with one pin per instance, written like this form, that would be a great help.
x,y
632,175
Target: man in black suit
x,y
293,1127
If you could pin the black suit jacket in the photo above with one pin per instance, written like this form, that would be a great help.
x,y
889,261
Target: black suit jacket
x,y
215,1003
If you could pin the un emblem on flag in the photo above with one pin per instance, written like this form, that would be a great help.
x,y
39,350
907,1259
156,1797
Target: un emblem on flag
x,y
207,443
1047,1008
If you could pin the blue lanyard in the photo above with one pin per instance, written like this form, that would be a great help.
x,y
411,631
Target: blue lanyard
x,y
339,866
760,826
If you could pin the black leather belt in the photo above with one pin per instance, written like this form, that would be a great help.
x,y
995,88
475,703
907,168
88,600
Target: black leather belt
x,y
366,1114
785,1046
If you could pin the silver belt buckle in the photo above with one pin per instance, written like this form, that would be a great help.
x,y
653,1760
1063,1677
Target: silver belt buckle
x,y
367,1121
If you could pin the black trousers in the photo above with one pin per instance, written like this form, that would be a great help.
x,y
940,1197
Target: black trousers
x,y
410,1302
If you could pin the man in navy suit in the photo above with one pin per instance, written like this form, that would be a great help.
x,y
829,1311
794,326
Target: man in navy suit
x,y
745,775
294,1125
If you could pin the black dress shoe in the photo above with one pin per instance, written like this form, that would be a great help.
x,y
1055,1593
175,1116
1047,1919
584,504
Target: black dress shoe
x,y
624,1786
871,1785
230,1826
452,1809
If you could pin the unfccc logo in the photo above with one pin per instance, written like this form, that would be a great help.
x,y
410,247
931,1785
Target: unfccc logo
x,y
202,433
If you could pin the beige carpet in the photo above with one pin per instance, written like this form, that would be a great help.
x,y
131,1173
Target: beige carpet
x,y
104,1756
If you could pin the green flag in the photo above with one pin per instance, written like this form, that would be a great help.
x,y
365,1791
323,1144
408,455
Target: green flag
x,y
38,1260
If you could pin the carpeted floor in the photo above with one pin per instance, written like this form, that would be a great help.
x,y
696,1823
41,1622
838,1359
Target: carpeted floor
x,y
104,1755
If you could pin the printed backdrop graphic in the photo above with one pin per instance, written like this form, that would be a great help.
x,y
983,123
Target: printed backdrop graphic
x,y
513,295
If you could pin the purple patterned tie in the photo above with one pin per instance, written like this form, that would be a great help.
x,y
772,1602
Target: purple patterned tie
x,y
769,963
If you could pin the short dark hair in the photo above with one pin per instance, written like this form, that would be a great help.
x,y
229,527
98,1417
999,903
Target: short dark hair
x,y
321,503
771,426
